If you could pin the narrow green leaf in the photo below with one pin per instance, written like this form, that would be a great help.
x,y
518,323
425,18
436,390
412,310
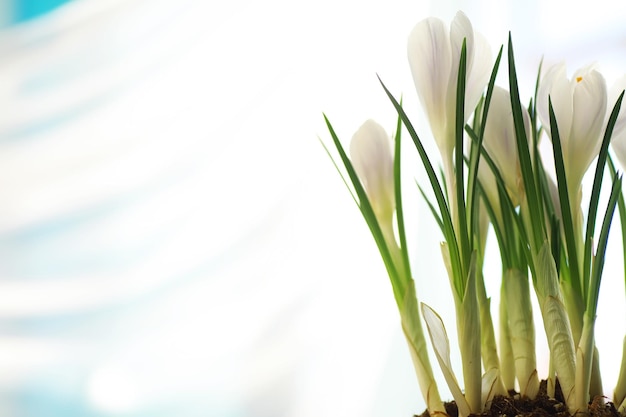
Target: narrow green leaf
x,y
462,233
566,211
530,187
449,234
555,241
622,219
506,203
535,132
502,242
597,185
598,262
475,147
397,182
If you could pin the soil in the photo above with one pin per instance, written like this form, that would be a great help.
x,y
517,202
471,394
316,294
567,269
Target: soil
x,y
542,406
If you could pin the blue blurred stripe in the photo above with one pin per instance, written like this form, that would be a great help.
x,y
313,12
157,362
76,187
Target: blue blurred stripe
x,y
29,9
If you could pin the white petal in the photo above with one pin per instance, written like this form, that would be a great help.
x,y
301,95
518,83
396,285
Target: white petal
x,y
588,121
370,153
429,58
554,84
618,140
478,73
460,29
613,94
500,140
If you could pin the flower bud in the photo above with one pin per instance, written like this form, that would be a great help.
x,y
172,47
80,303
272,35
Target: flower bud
x,y
434,56
370,152
579,106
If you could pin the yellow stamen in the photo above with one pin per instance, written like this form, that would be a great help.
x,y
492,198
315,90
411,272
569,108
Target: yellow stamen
x,y
579,79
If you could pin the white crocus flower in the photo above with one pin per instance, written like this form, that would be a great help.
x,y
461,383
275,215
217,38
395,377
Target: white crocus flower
x,y
434,55
370,152
579,106
501,145
618,139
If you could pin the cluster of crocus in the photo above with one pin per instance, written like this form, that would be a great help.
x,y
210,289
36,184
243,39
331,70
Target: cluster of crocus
x,y
493,175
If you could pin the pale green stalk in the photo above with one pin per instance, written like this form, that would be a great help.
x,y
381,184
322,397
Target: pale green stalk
x,y
489,348
413,332
507,366
469,331
619,394
556,324
517,339
521,330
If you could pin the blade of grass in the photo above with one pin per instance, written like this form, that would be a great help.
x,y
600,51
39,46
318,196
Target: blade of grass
x,y
566,211
462,232
507,204
448,228
597,184
622,215
533,197
598,262
397,182
475,147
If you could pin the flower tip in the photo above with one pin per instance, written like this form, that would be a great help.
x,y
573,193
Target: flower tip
x,y
370,152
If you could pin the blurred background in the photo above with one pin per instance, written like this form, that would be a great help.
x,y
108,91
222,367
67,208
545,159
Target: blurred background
x,y
174,241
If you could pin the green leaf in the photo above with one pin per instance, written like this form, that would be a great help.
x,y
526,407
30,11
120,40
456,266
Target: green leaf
x,y
622,219
448,228
476,146
566,211
506,204
598,262
597,185
462,233
533,197
397,182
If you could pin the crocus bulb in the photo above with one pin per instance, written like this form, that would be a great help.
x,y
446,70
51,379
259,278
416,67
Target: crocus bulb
x,y
434,55
370,152
579,106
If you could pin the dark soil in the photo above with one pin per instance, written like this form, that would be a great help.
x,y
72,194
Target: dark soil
x,y
542,406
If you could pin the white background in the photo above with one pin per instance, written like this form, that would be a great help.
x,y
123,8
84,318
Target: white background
x,y
175,241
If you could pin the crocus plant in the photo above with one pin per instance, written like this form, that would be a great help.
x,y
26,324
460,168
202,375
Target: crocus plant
x,y
493,173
